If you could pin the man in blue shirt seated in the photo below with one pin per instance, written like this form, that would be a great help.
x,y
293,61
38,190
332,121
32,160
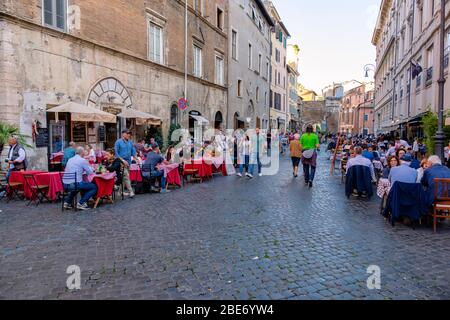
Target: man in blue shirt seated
x,y
69,153
79,166
359,160
403,173
153,160
436,171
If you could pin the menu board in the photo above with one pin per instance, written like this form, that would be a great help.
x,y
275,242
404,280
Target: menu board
x,y
79,131
42,138
102,134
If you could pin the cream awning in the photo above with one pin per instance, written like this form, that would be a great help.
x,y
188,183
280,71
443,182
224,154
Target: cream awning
x,y
141,117
82,113
201,119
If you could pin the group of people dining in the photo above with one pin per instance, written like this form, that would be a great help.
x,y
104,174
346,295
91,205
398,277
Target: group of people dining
x,y
392,160
78,162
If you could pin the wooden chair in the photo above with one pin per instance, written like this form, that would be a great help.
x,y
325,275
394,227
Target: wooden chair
x,y
38,192
441,206
66,191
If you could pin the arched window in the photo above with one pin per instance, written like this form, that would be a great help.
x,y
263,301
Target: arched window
x,y
174,115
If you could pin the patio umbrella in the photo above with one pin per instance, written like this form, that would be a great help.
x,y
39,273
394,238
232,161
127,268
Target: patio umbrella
x,y
141,117
83,113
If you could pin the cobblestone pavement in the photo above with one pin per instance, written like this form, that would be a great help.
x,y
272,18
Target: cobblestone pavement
x,y
269,238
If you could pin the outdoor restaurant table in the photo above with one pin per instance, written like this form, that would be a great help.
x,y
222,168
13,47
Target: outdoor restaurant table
x,y
204,169
17,177
171,173
218,163
57,157
105,185
53,181
384,187
135,173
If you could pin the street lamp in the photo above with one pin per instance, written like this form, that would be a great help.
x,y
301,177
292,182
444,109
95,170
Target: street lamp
x,y
440,137
367,68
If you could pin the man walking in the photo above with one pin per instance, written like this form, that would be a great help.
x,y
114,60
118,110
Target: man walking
x,y
124,148
257,147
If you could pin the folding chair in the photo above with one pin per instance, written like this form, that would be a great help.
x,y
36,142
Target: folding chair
x,y
15,189
38,192
441,206
66,191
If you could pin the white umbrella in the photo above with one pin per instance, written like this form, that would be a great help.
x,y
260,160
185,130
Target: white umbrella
x,y
83,113
140,116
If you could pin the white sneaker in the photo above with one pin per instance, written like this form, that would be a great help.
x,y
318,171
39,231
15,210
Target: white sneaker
x,y
260,174
132,195
82,206
239,175
250,176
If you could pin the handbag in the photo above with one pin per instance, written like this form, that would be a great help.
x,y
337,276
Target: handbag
x,y
308,154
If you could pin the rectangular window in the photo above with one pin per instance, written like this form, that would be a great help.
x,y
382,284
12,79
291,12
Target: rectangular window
x,y
219,71
239,88
259,63
277,55
220,18
198,70
234,40
55,14
156,43
250,54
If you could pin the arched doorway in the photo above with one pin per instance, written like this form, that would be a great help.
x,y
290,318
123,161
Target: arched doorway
x,y
218,121
238,123
110,95
174,115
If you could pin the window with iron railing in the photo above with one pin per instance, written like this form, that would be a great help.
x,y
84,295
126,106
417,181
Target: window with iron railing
x,y
429,75
418,81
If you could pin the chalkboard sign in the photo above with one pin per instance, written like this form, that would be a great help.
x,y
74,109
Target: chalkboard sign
x,y
79,132
42,138
101,134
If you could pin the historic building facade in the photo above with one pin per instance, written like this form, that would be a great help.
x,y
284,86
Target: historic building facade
x,y
112,55
279,108
249,54
406,35
292,84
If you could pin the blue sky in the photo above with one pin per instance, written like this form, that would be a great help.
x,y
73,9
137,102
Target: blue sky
x,y
334,38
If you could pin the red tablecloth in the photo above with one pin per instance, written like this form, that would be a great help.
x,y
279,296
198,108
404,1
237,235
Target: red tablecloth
x,y
222,169
173,176
204,169
17,177
105,183
53,180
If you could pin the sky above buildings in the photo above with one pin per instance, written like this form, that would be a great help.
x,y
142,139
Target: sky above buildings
x,y
334,38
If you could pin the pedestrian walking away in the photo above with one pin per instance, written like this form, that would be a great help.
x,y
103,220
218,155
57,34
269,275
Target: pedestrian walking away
x,y
296,153
309,142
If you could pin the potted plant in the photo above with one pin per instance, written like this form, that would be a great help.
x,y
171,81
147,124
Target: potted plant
x,y
6,131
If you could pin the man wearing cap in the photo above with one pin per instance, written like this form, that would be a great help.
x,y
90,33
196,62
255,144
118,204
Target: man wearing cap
x,y
125,150
403,173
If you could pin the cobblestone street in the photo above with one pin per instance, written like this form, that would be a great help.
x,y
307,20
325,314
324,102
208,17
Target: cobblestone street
x,y
231,238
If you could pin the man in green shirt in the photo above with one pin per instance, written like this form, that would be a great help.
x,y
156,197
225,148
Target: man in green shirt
x,y
309,143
